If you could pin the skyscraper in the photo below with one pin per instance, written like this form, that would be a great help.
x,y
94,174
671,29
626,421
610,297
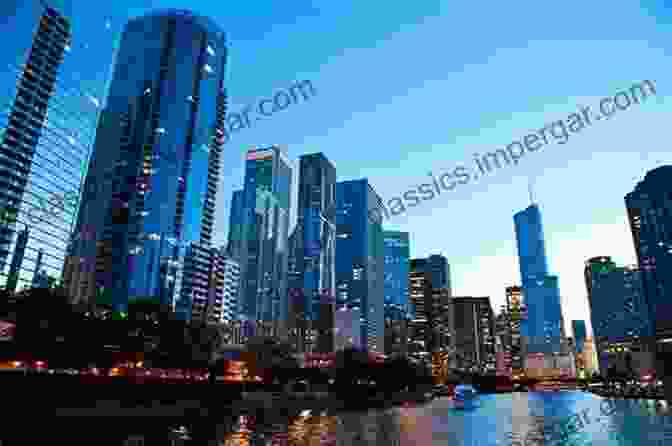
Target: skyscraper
x,y
145,223
543,328
474,332
397,253
650,214
580,334
618,310
315,261
49,114
360,265
264,249
235,225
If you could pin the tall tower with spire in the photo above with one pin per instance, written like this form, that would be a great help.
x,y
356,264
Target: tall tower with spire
x,y
544,328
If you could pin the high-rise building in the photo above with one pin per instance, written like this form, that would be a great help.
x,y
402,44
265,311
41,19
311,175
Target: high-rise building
x,y
580,334
223,288
46,124
474,333
618,310
397,253
517,316
360,265
314,256
543,328
264,249
145,224
235,225
430,303
649,208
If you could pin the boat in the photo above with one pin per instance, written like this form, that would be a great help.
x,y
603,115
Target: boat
x,y
465,397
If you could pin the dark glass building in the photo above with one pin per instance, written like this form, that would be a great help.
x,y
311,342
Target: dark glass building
x,y
314,298
360,265
580,334
235,225
397,254
47,121
145,223
264,249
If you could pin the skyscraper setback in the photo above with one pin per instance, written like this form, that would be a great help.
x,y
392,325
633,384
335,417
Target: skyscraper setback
x,y
148,204
543,328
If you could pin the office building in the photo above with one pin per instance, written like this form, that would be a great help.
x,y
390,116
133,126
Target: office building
x,y
619,313
649,208
314,259
543,329
580,334
397,252
517,317
264,248
474,333
234,244
46,126
360,265
145,224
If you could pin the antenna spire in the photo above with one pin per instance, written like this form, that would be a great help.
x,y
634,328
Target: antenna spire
x,y
529,188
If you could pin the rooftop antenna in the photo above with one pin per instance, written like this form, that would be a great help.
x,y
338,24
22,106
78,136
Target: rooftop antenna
x,y
529,189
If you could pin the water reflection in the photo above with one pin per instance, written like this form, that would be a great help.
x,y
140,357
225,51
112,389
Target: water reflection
x,y
569,419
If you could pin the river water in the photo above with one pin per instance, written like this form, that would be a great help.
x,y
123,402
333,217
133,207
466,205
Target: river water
x,y
521,419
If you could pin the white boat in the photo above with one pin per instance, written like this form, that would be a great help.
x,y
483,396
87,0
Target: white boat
x,y
466,397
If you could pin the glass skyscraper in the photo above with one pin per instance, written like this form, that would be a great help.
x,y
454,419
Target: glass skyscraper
x,y
543,328
580,334
145,223
314,263
235,225
360,258
264,247
397,255
47,121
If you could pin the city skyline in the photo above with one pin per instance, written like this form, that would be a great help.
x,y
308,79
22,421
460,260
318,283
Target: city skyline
x,y
577,228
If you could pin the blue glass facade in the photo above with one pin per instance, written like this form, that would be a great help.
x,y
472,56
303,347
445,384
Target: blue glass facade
x,y
47,118
580,334
315,255
145,223
236,225
360,259
543,327
264,248
397,255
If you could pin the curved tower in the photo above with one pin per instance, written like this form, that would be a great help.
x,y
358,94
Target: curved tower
x,y
145,222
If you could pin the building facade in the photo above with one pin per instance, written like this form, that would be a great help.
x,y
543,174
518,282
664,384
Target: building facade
x,y
264,248
517,313
46,127
619,314
145,224
223,288
543,328
649,208
360,265
397,253
314,259
474,333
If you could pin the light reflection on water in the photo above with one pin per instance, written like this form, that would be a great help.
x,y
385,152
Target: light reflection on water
x,y
523,419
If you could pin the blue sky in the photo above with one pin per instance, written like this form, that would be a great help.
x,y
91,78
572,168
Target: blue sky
x,y
405,88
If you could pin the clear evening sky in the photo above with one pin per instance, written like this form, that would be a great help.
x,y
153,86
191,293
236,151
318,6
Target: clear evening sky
x,y
405,88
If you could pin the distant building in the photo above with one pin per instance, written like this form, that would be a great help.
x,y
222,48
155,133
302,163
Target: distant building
x,y
579,330
474,332
397,308
223,289
314,258
360,259
264,250
544,328
234,246
619,313
517,316
649,208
